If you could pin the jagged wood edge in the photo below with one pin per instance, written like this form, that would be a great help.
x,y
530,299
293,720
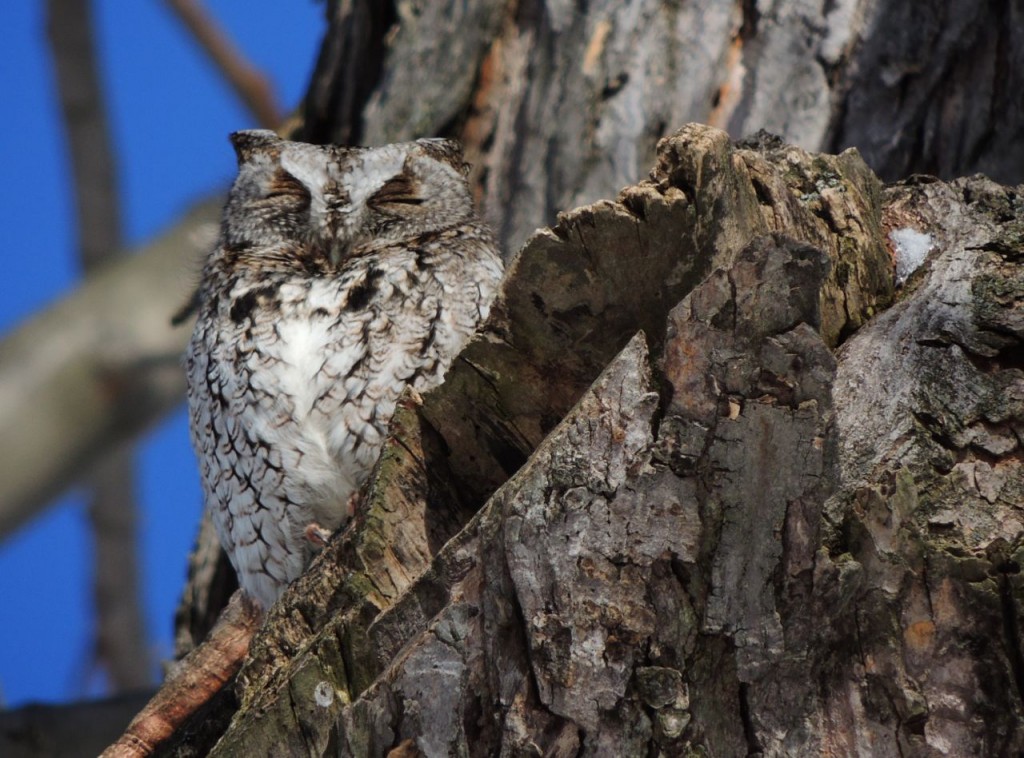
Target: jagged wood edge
x,y
697,210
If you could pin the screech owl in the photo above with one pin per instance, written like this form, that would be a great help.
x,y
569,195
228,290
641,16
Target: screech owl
x,y
341,277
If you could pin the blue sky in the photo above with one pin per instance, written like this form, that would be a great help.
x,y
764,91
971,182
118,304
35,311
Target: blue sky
x,y
170,114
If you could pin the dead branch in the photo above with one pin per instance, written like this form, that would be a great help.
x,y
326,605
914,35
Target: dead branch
x,y
196,679
97,369
120,635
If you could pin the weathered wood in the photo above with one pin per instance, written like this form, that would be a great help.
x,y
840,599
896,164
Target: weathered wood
x,y
95,370
929,406
563,103
792,529
576,292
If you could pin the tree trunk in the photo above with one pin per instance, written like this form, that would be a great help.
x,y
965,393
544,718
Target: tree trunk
x,y
561,103
722,511
725,541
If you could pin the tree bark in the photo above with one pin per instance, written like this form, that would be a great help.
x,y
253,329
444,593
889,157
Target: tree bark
x,y
561,103
729,498
731,501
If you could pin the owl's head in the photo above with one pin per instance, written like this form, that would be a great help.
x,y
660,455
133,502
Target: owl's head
x,y
326,202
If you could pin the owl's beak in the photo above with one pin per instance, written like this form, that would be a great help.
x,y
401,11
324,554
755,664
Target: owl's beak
x,y
336,253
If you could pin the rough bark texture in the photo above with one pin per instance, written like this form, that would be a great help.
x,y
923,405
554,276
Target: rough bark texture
x,y
562,103
930,412
730,501
803,536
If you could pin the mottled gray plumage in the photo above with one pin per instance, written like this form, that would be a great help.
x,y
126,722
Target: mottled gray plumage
x,y
342,276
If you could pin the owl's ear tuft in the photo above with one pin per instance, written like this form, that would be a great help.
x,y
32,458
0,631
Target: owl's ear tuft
x,y
448,151
252,142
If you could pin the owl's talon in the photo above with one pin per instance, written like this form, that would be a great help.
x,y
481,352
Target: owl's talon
x,y
411,400
316,535
352,504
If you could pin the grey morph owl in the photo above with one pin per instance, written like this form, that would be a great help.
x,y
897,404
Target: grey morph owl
x,y
341,277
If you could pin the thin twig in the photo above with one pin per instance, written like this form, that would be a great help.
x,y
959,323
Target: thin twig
x,y
249,84
70,29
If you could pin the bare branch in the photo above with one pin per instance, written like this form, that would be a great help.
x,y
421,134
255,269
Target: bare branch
x,y
249,84
120,633
83,728
69,25
96,369
197,679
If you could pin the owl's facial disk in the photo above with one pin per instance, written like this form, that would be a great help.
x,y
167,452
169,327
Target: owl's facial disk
x,y
336,199
400,191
